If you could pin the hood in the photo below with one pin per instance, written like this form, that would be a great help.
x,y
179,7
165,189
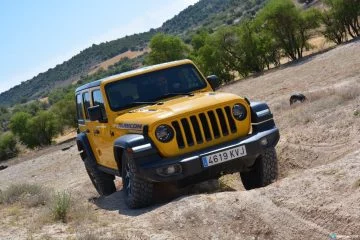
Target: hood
x,y
172,108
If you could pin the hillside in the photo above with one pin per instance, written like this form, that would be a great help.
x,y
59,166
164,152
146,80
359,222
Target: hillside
x,y
205,13
316,197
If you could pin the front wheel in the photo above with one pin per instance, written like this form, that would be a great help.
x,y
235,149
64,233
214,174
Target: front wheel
x,y
264,171
138,191
103,182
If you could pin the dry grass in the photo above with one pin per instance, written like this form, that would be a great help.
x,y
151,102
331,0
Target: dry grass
x,y
27,194
318,102
35,207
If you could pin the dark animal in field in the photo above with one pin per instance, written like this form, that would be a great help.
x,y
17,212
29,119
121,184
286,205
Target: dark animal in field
x,y
2,167
298,97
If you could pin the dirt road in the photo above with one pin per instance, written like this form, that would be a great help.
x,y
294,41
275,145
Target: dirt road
x,y
316,197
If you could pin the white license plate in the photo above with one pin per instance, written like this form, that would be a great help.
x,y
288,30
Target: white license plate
x,y
223,156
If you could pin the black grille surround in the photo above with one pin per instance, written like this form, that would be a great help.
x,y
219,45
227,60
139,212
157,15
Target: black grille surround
x,y
203,127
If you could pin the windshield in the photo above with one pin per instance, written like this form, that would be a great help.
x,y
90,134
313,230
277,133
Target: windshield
x,y
153,86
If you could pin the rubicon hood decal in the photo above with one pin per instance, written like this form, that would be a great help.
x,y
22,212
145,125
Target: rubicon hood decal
x,y
130,126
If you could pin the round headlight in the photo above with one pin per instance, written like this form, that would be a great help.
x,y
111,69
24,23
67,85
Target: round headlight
x,y
164,133
239,112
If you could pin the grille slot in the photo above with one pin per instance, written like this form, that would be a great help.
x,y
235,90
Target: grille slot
x,y
203,127
187,131
197,131
230,119
214,124
178,133
223,123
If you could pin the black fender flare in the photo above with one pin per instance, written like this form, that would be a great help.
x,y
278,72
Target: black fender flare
x,y
126,143
261,116
85,150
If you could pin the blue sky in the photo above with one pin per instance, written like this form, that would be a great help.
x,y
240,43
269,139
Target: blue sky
x,y
39,34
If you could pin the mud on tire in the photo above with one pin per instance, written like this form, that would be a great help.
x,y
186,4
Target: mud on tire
x,y
103,182
264,172
138,191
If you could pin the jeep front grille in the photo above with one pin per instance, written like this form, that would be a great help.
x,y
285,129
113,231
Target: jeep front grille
x,y
204,127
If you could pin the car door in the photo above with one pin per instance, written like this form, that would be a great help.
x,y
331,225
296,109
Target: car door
x,y
100,133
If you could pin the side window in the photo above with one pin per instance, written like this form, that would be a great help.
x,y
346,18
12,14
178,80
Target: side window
x,y
99,101
86,102
79,108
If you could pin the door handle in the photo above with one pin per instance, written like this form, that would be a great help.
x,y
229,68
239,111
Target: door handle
x,y
96,131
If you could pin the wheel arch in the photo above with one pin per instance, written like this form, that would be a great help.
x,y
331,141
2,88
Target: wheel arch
x,y
85,150
126,143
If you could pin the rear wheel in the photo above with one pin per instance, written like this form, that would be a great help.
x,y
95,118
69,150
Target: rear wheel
x,y
264,171
103,182
138,191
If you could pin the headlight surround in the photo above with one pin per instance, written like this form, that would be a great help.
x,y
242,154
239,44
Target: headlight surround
x,y
239,112
164,133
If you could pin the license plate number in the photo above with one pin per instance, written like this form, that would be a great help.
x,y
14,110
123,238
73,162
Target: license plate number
x,y
223,156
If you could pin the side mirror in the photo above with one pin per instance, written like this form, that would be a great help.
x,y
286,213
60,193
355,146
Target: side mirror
x,y
95,113
214,81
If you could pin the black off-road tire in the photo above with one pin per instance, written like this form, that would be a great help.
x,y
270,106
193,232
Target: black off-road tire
x,y
264,171
103,182
138,192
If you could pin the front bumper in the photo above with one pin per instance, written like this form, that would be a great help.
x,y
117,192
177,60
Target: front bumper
x,y
147,160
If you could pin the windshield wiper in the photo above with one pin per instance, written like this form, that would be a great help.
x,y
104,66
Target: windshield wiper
x,y
145,103
176,94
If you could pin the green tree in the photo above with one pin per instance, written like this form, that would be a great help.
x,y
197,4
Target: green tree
x,y
334,30
65,112
44,126
341,19
35,131
8,148
289,26
211,58
165,48
18,124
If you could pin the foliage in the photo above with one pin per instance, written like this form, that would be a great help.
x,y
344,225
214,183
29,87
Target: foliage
x,y
32,107
44,126
61,206
65,112
8,148
290,27
211,14
5,116
37,130
342,19
210,57
235,50
165,48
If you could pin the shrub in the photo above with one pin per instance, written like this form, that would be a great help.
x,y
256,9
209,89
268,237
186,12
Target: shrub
x,y
8,148
61,206
35,131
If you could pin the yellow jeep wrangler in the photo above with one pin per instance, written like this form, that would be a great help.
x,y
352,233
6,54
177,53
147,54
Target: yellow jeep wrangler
x,y
165,123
